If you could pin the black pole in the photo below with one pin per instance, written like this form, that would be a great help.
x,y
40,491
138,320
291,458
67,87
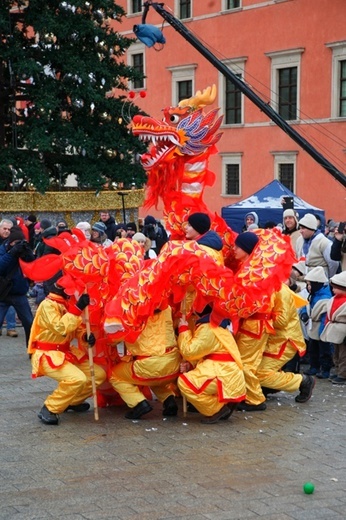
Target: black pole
x,y
123,195
265,107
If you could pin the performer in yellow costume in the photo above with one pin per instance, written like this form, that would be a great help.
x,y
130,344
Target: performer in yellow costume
x,y
154,361
54,327
217,382
281,348
252,334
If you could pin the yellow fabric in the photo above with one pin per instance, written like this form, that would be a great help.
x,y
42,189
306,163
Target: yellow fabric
x,y
213,382
270,375
74,384
158,370
251,339
282,346
157,335
161,372
53,324
286,323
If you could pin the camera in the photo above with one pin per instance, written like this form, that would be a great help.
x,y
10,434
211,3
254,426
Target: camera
x,y
150,231
287,203
341,228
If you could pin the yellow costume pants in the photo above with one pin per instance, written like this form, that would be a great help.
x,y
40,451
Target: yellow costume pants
x,y
127,385
207,403
74,384
270,375
251,352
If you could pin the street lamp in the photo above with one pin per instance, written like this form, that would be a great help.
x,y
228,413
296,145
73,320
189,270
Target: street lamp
x,y
123,195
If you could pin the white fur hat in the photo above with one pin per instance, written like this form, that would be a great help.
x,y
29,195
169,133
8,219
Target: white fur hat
x,y
316,274
339,279
309,221
300,267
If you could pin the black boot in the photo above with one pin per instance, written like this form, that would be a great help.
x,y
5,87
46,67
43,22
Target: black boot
x,y
48,417
246,407
80,408
221,415
140,409
305,389
170,407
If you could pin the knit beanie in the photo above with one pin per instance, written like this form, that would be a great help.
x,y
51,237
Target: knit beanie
x,y
339,280
149,220
15,234
139,236
316,274
37,225
200,222
309,221
300,267
131,226
31,218
247,241
84,226
45,223
100,227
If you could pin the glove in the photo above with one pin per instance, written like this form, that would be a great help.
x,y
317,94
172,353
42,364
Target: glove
x,y
18,249
304,317
83,302
91,340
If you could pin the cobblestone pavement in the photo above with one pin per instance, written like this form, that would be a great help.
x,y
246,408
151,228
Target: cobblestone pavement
x,y
251,467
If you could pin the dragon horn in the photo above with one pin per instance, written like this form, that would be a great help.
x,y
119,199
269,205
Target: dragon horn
x,y
200,99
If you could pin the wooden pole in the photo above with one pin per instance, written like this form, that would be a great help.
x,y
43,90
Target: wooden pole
x,y
91,364
183,315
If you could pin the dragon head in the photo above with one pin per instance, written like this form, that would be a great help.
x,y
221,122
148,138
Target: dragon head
x,y
184,130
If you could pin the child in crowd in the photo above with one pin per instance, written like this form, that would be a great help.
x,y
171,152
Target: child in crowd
x,y
314,316
335,328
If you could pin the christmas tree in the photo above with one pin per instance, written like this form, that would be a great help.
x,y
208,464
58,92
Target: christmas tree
x,y
63,96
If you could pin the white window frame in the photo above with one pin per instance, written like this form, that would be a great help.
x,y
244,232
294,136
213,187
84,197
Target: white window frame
x,y
338,54
283,60
230,158
182,73
237,66
137,48
285,158
177,10
129,9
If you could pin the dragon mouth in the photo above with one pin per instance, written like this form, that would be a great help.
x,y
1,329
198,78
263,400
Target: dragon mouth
x,y
163,139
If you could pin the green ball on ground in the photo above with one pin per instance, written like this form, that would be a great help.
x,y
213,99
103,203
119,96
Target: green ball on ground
x,y
309,488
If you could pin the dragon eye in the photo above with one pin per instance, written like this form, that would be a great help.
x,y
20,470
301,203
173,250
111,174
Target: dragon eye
x,y
174,118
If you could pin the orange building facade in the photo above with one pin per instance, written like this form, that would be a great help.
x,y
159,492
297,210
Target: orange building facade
x,y
292,54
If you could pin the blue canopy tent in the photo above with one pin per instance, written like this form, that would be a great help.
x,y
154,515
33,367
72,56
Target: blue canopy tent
x,y
267,204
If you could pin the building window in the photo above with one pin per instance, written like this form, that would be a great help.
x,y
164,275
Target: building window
x,y
230,97
287,87
138,65
231,4
285,82
136,59
184,9
342,112
338,86
233,104
134,6
285,168
183,82
231,165
184,89
286,175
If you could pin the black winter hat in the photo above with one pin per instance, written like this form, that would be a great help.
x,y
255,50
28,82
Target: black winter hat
x,y
31,218
149,220
15,234
247,241
45,223
200,222
131,226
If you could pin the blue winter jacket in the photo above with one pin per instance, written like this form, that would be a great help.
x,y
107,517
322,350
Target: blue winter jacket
x,y
7,263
